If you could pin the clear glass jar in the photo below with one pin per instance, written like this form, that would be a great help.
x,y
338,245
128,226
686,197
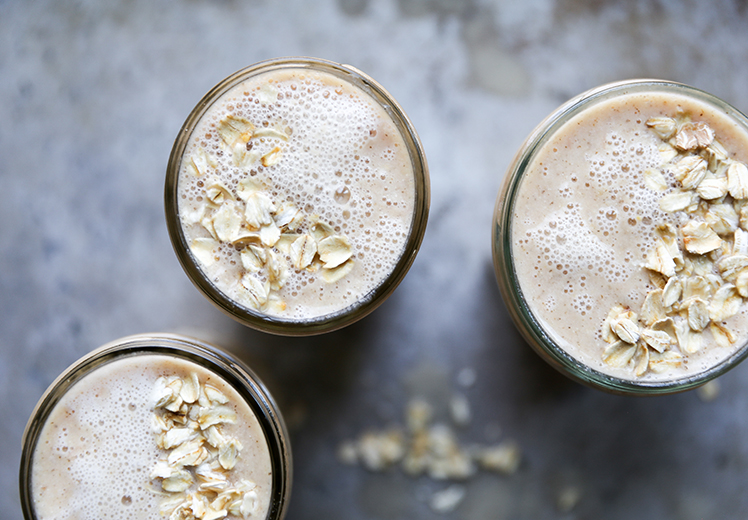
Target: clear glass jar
x,y
503,244
354,311
169,347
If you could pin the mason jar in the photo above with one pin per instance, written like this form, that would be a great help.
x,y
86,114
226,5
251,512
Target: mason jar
x,y
593,237
297,195
155,425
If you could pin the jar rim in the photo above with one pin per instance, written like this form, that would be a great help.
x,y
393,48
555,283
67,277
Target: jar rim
x,y
504,266
368,302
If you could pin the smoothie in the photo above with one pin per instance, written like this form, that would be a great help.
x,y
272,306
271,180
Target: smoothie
x,y
297,194
151,436
628,236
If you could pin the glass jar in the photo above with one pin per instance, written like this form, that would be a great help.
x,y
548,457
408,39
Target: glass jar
x,y
512,239
414,222
179,353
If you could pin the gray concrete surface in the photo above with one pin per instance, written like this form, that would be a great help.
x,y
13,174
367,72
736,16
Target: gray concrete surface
x,y
92,95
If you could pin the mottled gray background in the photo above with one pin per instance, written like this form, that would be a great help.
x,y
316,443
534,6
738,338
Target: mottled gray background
x,y
92,95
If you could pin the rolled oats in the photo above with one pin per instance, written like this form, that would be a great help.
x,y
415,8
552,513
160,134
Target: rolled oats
x,y
664,127
737,180
271,236
195,471
700,270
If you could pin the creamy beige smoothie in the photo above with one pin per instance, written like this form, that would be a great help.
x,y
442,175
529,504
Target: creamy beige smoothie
x,y
628,236
296,193
151,436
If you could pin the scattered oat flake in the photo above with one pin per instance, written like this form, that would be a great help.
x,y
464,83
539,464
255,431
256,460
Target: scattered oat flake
x,y
379,450
740,242
664,127
190,388
723,336
699,238
504,457
694,135
737,180
671,292
187,454
676,201
447,500
334,251
302,251
272,157
258,210
200,162
215,395
217,193
242,157
619,354
228,454
709,391
690,171
641,360
247,186
233,128
688,340
286,214
608,335
667,152
626,328
177,482
227,222
271,133
698,315
277,271
657,339
722,218
741,283
653,308
568,498
320,230
459,408
659,363
660,260
253,258
655,180
270,234
255,290
731,265
710,189
204,250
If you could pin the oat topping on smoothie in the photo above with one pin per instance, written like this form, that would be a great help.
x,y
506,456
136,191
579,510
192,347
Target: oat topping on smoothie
x,y
271,236
195,473
296,194
630,236
699,268
152,436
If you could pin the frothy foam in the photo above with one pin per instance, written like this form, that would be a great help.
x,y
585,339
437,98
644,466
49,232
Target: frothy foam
x,y
95,453
585,220
344,161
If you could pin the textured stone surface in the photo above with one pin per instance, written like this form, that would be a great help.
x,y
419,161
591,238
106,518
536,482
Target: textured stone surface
x,y
93,95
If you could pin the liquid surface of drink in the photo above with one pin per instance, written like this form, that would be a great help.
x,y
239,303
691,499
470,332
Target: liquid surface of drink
x,y
98,455
296,193
588,220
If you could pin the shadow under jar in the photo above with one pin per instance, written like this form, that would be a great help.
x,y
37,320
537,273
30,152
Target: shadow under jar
x,y
155,426
297,195
619,237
